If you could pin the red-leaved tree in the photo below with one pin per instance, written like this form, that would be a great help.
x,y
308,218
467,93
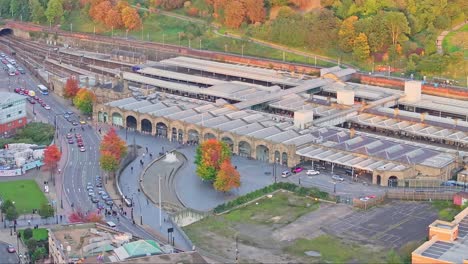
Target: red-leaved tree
x,y
112,149
52,156
79,216
71,87
228,178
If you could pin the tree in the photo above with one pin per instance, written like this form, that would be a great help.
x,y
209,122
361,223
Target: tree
x,y
37,11
52,156
227,178
31,244
255,10
7,204
109,162
113,145
393,258
209,157
234,14
27,234
130,18
71,87
84,100
79,216
361,48
397,24
46,210
98,10
54,10
113,19
39,253
347,34
11,213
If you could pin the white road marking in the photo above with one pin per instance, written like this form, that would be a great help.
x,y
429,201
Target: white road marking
x,y
68,190
79,190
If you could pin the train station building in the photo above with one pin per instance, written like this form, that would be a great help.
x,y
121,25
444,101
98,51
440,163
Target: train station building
x,y
291,119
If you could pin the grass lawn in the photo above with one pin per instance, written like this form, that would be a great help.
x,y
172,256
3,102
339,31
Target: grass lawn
x,y
25,193
38,234
333,250
282,208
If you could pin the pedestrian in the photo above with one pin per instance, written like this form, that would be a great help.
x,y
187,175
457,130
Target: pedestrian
x,y
61,216
144,155
146,149
29,222
118,219
131,168
151,155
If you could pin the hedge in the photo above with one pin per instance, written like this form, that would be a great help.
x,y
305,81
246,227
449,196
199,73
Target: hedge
x,y
301,191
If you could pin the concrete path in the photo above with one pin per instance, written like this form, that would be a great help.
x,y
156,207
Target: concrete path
x,y
441,37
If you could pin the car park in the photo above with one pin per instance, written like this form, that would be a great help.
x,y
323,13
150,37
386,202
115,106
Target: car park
x,y
285,174
297,169
312,172
337,178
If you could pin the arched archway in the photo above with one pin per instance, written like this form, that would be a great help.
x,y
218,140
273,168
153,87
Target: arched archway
x,y
393,181
277,157
146,126
379,179
161,129
263,153
229,142
193,136
131,122
180,135
284,159
209,136
245,150
117,119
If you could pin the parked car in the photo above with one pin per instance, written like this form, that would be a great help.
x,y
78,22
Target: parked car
x,y
109,202
285,174
312,172
337,178
94,199
47,107
74,123
320,167
297,169
21,70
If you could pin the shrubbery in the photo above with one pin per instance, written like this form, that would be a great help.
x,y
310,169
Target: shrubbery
x,y
32,133
301,191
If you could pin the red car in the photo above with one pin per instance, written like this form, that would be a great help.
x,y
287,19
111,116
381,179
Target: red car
x,y
11,249
17,90
297,169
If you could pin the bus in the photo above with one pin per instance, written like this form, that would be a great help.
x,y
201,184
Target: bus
x,y
42,89
11,70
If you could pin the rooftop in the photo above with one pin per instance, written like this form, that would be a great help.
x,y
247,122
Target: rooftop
x,y
6,97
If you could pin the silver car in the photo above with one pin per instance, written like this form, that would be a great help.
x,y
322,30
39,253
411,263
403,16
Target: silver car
x,y
337,178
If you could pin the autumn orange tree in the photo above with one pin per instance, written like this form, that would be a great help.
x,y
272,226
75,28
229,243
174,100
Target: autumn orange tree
x,y
112,149
114,14
79,216
84,100
71,87
52,156
228,178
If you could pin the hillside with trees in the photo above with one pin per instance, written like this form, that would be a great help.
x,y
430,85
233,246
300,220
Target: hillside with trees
x,y
374,35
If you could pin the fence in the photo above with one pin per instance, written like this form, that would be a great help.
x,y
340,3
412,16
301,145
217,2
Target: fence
x,y
368,203
419,195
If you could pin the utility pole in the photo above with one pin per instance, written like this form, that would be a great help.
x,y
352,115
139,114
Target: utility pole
x,y
160,206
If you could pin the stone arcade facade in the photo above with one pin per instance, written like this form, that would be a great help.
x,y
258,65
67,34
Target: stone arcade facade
x,y
183,132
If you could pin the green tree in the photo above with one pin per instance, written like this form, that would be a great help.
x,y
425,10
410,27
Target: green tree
x,y
5,8
84,100
11,213
27,234
361,50
31,244
54,11
397,24
46,211
39,253
109,162
7,204
347,34
393,258
37,11
375,30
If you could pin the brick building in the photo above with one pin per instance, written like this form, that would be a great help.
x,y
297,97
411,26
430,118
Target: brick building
x,y
12,112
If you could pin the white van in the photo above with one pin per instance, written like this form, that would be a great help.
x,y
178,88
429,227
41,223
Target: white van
x,y
111,224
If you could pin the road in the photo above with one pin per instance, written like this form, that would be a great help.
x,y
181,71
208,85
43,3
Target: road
x,y
6,257
77,167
